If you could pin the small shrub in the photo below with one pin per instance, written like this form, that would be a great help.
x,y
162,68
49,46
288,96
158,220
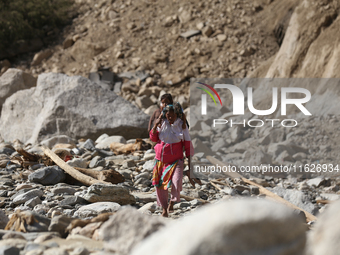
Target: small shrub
x,y
28,19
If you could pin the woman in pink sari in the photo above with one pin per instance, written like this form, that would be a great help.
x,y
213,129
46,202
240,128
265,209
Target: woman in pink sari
x,y
171,138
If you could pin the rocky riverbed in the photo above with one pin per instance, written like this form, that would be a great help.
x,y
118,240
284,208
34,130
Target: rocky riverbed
x,y
46,211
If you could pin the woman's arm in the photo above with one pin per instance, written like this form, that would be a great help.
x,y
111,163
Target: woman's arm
x,y
154,133
153,117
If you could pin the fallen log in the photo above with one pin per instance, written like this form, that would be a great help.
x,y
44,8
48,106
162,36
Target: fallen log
x,y
84,179
215,186
309,216
111,175
28,156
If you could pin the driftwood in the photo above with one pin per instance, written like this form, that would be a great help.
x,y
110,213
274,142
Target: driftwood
x,y
19,222
84,179
122,148
323,201
111,175
215,186
309,216
28,156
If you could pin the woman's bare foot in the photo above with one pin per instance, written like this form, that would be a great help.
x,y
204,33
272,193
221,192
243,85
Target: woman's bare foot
x,y
165,213
171,207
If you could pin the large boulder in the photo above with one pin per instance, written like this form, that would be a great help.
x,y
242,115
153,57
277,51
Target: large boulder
x,y
72,106
246,226
324,238
12,81
127,228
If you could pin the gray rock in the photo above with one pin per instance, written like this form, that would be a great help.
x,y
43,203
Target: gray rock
x,y
63,104
207,31
40,56
330,196
14,235
219,144
95,209
148,165
324,238
190,33
149,156
72,200
195,202
201,147
97,161
126,173
63,190
48,176
128,163
30,246
256,157
77,162
236,134
277,148
185,16
12,81
9,250
88,145
6,150
151,206
101,138
41,209
59,224
296,197
105,143
80,251
144,102
127,228
108,193
300,156
145,197
182,205
318,181
284,157
3,219
145,175
22,198
50,142
33,202
231,231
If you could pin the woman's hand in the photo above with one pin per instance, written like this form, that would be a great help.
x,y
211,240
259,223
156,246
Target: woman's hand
x,y
158,121
192,180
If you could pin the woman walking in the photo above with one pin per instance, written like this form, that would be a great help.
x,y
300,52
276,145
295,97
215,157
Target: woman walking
x,y
168,169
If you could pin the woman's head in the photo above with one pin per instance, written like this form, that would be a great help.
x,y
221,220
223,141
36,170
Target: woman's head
x,y
172,112
166,99
171,116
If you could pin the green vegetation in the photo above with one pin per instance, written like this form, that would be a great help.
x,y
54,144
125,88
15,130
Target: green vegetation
x,y
27,19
